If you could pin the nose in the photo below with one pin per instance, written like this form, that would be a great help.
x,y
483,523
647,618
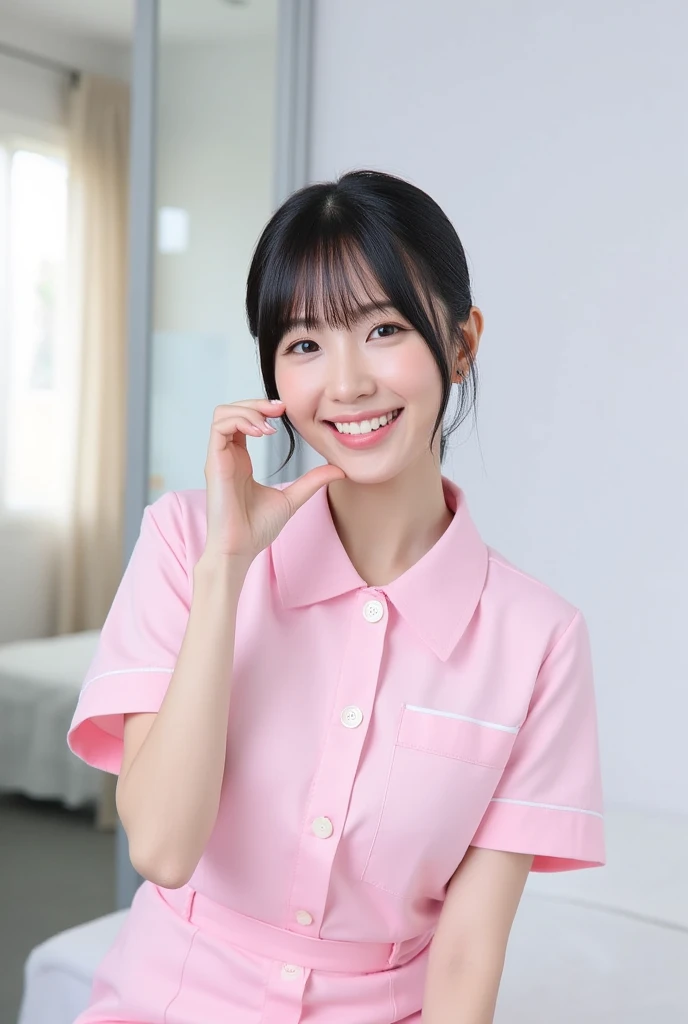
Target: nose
x,y
349,375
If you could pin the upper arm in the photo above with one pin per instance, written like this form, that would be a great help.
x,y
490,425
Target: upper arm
x,y
480,906
135,732
136,729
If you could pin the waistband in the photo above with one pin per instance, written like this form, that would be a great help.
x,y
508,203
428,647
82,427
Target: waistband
x,y
291,947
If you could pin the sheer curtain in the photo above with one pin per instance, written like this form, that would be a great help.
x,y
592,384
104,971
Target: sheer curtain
x,y
91,548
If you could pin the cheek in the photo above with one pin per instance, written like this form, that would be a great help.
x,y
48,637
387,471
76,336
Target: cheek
x,y
297,390
411,372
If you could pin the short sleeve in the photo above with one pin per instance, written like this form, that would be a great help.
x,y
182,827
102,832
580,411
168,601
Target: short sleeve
x,y
549,799
140,640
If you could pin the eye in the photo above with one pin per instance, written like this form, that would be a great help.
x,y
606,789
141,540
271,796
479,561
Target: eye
x,y
389,330
293,348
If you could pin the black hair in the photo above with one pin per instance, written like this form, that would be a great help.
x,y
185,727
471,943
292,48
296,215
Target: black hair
x,y
331,243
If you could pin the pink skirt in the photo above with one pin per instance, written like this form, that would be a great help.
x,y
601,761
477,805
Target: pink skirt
x,y
181,958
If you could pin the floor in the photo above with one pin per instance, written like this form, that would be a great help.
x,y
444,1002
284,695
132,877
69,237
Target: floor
x,y
56,871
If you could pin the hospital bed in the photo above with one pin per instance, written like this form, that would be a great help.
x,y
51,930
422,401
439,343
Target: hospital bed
x,y
39,687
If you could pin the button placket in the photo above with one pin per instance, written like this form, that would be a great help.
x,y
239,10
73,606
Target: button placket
x,y
342,746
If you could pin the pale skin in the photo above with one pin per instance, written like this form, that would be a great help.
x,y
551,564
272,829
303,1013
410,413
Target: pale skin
x,y
168,791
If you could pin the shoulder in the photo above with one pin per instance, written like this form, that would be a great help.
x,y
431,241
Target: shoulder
x,y
174,525
533,607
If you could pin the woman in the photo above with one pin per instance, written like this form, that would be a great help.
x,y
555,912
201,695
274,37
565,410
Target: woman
x,y
345,729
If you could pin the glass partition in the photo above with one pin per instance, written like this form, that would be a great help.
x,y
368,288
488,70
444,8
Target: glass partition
x,y
214,191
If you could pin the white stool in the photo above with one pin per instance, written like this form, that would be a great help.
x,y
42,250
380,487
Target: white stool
x,y
58,974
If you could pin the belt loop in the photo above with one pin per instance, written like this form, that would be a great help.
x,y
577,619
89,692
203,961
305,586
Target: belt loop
x,y
408,949
190,896
394,955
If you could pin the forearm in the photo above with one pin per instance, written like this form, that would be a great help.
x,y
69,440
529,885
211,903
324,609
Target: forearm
x,y
168,799
462,994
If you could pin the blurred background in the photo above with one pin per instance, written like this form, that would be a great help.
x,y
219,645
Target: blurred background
x,y
143,146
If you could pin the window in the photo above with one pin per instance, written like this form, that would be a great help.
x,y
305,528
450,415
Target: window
x,y
34,357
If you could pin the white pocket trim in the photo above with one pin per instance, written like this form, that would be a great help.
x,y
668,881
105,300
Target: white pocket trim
x,y
462,718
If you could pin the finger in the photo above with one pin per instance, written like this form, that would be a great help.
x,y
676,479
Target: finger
x,y
244,413
255,421
233,430
265,406
306,486
270,406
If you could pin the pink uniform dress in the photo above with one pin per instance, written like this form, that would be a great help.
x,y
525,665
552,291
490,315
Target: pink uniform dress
x,y
375,733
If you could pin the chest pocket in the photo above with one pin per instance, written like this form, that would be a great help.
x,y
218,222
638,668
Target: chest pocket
x,y
444,771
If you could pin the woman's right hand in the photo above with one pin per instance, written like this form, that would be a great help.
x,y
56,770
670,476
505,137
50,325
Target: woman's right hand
x,y
244,517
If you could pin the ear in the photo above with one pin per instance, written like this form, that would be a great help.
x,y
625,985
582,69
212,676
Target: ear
x,y
472,331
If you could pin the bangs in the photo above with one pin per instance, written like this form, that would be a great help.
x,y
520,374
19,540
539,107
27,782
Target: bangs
x,y
332,278
332,285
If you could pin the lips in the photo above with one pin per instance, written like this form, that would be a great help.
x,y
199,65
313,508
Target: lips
x,y
366,424
369,438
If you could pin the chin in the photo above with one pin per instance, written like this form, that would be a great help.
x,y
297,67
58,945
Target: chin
x,y
366,471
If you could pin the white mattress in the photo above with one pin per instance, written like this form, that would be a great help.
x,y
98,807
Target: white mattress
x,y
59,973
571,964
39,686
606,945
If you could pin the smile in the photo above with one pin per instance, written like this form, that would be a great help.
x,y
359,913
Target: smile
x,y
365,426
365,433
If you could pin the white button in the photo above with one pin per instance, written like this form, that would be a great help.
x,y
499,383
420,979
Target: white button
x,y
352,717
373,611
303,917
291,971
322,828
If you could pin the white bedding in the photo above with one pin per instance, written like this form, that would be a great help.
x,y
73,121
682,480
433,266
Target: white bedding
x,y
39,687
59,973
571,964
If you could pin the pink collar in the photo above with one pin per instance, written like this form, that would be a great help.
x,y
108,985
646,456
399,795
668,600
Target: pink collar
x,y
437,596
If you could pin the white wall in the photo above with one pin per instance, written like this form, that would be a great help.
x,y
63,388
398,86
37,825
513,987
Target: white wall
x,y
554,133
215,160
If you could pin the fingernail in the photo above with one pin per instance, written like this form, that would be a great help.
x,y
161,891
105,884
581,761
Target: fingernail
x,y
269,429
276,401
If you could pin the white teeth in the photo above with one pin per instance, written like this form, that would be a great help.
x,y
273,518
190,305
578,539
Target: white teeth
x,y
366,426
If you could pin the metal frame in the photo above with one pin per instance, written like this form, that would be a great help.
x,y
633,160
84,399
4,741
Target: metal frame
x,y
294,63
142,173
292,153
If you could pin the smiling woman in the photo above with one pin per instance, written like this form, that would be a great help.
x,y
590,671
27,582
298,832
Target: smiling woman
x,y
343,657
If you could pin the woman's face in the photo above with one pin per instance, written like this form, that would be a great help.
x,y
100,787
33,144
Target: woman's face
x,y
366,398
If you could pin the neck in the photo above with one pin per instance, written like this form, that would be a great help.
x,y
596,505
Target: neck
x,y
386,528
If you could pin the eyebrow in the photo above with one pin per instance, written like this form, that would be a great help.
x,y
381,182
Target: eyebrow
x,y
360,314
